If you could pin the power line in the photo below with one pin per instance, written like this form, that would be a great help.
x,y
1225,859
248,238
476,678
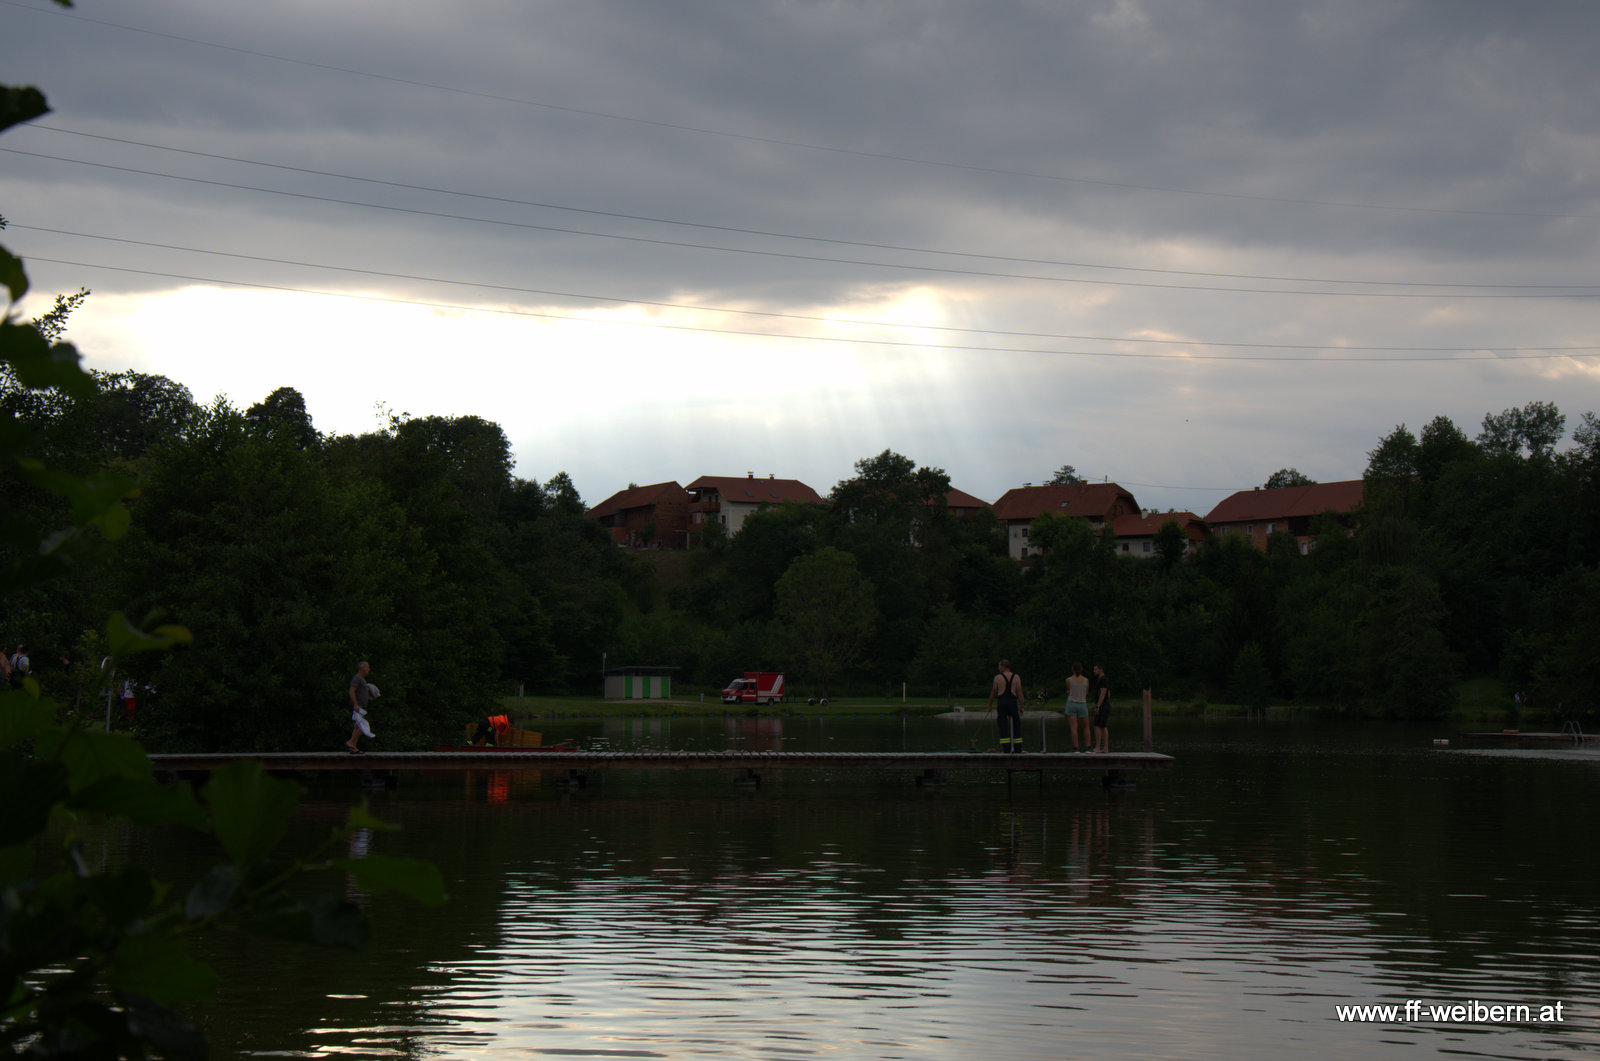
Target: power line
x,y
777,235
848,340
810,318
800,144
789,255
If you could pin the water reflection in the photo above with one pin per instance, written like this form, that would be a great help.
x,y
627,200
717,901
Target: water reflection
x,y
1225,909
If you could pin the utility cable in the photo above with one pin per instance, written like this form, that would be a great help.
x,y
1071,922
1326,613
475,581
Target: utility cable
x,y
789,255
809,318
780,235
954,348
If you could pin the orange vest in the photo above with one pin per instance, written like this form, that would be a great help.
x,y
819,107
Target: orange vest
x,y
501,723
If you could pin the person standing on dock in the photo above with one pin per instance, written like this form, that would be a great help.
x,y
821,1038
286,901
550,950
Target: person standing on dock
x,y
1102,710
1005,697
359,694
1077,711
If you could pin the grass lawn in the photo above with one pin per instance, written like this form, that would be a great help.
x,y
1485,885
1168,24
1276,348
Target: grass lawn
x,y
530,707
1487,706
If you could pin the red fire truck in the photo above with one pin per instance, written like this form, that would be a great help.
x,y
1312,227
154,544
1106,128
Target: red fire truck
x,y
756,687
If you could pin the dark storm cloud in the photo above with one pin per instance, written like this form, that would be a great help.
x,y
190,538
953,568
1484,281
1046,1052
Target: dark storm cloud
x,y
1216,137
1452,106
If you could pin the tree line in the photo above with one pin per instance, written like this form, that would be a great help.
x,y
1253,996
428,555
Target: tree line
x,y
295,554
1469,558
292,554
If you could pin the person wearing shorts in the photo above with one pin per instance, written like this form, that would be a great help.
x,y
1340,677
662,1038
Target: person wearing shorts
x,y
1077,711
359,694
1102,710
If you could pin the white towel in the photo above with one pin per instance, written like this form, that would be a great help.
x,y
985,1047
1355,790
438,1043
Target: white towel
x,y
359,717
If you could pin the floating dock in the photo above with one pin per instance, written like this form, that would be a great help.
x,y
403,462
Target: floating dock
x,y
1515,735
748,766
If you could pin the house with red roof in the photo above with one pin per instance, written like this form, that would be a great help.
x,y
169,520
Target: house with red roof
x,y
1136,534
1256,514
646,516
728,499
961,503
1099,503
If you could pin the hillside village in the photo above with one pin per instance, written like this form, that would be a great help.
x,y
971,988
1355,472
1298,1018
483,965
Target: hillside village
x,y
670,516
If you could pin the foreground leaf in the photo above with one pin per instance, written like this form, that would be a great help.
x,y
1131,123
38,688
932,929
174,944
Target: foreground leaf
x,y
91,757
142,802
327,920
409,876
249,809
160,968
29,788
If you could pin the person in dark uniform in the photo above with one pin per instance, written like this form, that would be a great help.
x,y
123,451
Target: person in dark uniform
x,y
1102,709
1005,697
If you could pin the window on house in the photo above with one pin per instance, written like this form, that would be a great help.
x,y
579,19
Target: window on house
x,y
1271,528
1123,546
1147,547
1250,529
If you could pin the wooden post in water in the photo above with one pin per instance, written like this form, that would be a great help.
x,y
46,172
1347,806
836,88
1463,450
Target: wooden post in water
x,y
1148,742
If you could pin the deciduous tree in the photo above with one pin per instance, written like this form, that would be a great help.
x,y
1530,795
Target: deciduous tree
x,y
826,613
1287,477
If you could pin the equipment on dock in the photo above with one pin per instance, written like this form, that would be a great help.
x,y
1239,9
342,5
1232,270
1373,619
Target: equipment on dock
x,y
511,740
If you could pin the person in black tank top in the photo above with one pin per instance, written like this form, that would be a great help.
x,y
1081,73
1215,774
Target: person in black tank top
x,y
1005,697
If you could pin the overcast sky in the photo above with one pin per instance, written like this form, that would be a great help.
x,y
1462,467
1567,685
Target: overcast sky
x,y
1178,245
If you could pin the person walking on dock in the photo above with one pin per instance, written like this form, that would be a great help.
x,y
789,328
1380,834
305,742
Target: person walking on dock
x,y
360,692
1077,711
1005,696
1102,710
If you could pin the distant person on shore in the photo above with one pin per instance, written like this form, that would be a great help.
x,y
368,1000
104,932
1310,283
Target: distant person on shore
x,y
1078,708
19,665
360,693
492,729
1005,697
1102,710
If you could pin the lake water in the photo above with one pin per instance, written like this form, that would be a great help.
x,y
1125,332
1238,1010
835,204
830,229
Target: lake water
x,y
1223,910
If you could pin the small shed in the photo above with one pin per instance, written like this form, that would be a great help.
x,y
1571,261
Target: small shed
x,y
639,683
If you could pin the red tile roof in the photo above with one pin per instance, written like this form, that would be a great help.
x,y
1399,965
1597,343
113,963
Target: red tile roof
x,y
747,489
961,499
634,497
1146,526
1253,506
1090,500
